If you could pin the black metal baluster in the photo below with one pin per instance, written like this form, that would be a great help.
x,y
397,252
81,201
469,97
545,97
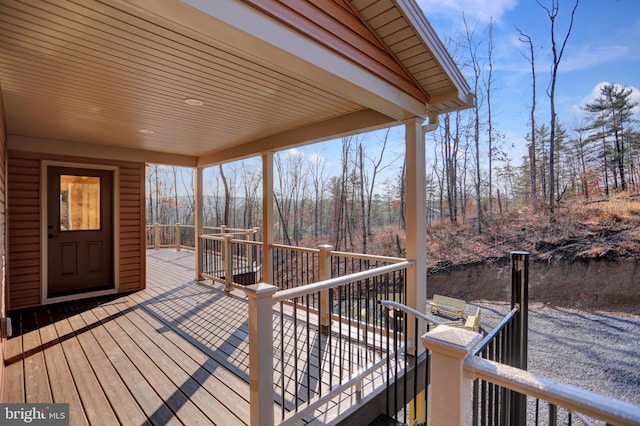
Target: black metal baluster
x,y
282,367
340,356
309,358
296,379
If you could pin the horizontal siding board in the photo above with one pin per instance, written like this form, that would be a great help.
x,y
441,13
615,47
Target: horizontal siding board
x,y
26,244
27,275
21,255
22,165
24,263
19,200
16,234
20,209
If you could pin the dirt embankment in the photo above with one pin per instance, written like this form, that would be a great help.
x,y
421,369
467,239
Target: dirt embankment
x,y
588,257
595,284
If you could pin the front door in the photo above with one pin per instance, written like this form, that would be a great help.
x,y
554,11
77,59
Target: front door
x,y
79,230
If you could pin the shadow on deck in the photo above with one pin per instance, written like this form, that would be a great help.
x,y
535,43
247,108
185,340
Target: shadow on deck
x,y
174,353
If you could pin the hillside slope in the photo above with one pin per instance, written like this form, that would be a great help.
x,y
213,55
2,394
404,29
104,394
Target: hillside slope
x,y
603,229
587,258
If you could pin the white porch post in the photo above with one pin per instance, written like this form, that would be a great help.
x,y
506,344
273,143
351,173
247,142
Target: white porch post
x,y
324,259
416,223
450,391
198,218
267,216
261,386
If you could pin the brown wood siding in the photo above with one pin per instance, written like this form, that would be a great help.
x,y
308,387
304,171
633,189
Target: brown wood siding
x,y
3,277
25,279
24,230
334,24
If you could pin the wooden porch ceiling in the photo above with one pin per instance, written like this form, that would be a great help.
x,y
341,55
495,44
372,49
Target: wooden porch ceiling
x,y
112,78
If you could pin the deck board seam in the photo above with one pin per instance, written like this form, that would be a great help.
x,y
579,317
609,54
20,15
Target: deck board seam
x,y
162,413
181,405
161,358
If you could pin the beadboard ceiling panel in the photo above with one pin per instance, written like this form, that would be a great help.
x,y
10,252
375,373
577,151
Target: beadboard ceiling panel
x,y
117,74
405,31
90,72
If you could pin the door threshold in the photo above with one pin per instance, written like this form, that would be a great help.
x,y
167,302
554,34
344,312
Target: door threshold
x,y
78,296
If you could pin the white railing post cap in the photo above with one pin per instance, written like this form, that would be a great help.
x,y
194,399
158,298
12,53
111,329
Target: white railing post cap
x,y
454,342
260,290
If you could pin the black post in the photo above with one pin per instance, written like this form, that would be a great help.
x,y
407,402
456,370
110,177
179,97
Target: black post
x,y
520,296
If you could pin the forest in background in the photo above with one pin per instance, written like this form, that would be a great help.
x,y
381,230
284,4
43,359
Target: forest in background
x,y
350,192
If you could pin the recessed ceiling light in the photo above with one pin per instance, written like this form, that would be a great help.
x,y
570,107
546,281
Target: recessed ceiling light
x,y
193,102
146,131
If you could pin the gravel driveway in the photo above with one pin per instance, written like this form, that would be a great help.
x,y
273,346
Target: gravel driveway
x,y
598,351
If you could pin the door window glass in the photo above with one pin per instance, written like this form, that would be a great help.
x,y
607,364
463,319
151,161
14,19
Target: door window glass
x,y
79,203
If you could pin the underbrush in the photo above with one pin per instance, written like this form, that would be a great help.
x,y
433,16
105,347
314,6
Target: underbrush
x,y
607,228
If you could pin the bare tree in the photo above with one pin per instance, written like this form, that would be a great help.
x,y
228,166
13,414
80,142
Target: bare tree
x,y
403,195
151,171
363,212
552,13
289,198
368,177
316,167
490,130
188,188
472,46
339,187
176,200
227,196
532,146
251,183
451,140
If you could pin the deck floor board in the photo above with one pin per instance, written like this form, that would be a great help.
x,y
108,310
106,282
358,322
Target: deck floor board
x,y
155,350
112,384
201,369
96,405
36,378
174,353
61,380
149,402
182,408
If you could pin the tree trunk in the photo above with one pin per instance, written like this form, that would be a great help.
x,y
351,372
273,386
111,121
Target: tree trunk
x,y
227,196
557,57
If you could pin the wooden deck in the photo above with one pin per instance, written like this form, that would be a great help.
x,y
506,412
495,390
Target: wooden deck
x,y
174,353
164,355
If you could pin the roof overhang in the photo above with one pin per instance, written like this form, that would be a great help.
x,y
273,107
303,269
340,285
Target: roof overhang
x,y
87,77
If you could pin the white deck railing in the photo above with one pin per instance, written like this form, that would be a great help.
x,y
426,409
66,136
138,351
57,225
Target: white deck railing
x,y
452,353
266,335
577,400
173,235
451,350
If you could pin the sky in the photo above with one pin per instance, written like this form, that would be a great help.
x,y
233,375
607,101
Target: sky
x,y
604,46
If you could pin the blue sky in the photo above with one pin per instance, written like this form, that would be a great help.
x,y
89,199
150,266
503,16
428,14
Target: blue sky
x,y
604,46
